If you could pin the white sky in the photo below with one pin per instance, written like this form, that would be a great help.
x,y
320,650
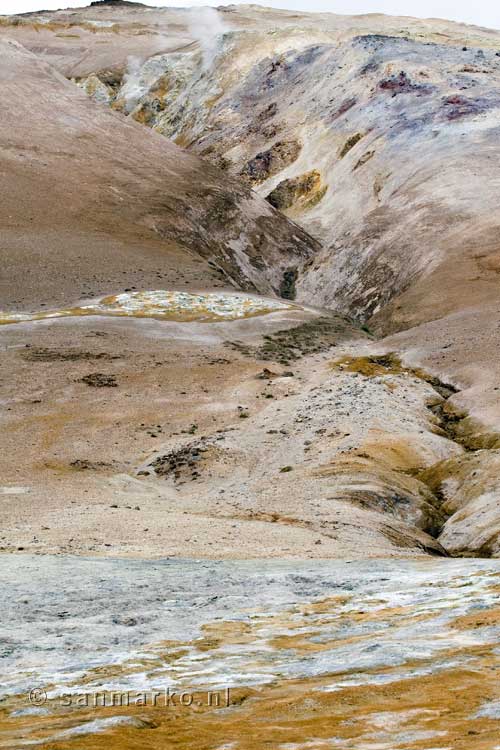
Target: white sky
x,y
480,12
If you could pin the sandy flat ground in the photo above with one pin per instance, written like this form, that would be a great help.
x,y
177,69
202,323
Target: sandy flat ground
x,y
71,451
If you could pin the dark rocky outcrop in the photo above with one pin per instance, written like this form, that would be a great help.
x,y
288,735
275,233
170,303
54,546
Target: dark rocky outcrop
x,y
268,163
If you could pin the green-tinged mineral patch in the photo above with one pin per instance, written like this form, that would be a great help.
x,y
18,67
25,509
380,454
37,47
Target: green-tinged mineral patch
x,y
163,305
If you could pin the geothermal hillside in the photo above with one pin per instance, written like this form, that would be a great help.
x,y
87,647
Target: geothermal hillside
x,y
86,198
249,287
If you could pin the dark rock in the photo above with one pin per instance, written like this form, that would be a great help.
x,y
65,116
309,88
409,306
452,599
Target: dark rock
x,y
99,380
287,286
270,162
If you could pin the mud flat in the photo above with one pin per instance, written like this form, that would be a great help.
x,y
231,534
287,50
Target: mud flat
x,y
400,654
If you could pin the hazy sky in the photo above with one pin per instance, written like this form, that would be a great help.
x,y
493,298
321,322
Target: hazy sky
x,y
481,12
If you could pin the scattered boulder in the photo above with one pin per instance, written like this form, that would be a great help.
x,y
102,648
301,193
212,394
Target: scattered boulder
x,y
402,84
99,91
457,106
291,344
181,463
267,374
83,464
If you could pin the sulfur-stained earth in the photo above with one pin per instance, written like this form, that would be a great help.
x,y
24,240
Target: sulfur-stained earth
x,y
217,654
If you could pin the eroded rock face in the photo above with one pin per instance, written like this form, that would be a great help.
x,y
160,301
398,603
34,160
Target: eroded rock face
x,y
470,490
389,111
303,192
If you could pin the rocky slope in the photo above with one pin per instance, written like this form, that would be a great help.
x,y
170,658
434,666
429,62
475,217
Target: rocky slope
x,y
159,136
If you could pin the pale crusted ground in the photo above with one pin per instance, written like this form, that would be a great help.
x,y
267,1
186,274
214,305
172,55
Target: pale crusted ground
x,y
153,438
314,654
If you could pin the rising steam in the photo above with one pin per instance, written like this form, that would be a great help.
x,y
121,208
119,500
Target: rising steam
x,y
132,90
206,27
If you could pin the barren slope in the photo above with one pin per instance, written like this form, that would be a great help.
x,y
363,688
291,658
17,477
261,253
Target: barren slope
x,y
92,202
379,135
